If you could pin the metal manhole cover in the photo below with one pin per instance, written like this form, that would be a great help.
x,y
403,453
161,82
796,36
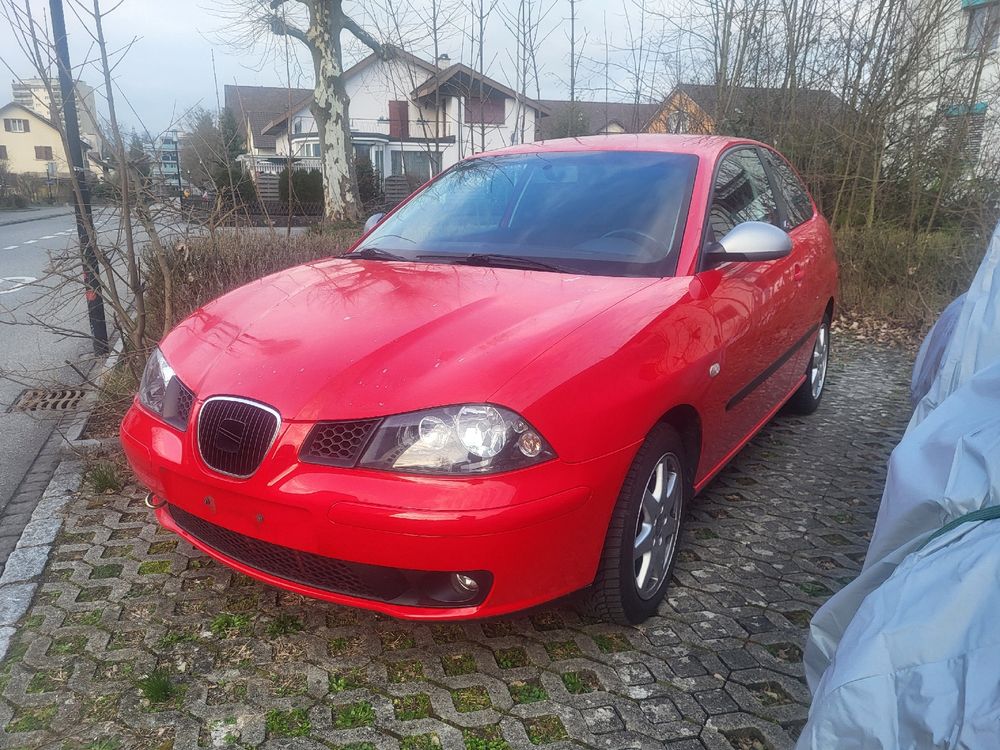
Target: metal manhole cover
x,y
39,399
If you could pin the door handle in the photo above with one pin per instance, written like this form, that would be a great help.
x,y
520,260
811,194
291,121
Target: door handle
x,y
798,272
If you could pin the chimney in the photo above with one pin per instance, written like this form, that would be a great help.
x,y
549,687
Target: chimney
x,y
443,61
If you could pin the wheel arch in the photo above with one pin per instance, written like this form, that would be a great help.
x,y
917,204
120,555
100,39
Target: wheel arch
x,y
687,421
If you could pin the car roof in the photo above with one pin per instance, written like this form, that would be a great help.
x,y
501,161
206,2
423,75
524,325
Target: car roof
x,y
706,146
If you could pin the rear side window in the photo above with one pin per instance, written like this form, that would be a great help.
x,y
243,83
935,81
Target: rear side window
x,y
800,208
741,193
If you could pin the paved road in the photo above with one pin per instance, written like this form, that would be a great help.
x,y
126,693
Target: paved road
x,y
28,354
719,668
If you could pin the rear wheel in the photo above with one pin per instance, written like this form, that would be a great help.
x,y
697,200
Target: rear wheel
x,y
641,545
806,399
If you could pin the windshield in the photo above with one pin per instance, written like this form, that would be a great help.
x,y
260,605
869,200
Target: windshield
x,y
617,213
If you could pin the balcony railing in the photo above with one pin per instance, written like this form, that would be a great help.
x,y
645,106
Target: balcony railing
x,y
417,128
276,164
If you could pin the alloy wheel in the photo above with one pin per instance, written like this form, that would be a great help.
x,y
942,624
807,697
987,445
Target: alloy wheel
x,y
657,526
820,358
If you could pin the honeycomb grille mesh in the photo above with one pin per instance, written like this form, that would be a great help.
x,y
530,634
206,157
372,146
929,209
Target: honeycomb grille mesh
x,y
337,443
234,435
316,571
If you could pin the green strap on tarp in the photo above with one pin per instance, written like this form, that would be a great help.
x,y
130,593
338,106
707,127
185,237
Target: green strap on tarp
x,y
983,514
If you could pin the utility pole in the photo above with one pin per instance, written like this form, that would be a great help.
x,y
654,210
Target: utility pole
x,y
84,213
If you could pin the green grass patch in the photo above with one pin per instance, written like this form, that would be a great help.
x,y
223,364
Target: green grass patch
x,y
511,658
527,691
88,619
42,682
162,548
284,624
611,643
458,664
347,679
158,687
412,707
152,567
484,738
545,729
404,671
499,629
447,632
227,625
68,645
581,682
353,715
471,699
704,534
294,723
92,594
108,570
104,476
173,637
559,650
31,719
420,742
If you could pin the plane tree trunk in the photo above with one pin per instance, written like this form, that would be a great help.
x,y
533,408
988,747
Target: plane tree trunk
x,y
329,108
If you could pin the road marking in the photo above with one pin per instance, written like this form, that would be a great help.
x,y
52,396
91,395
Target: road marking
x,y
11,247
30,242
17,281
49,237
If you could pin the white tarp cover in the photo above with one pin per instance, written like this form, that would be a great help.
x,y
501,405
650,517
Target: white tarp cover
x,y
908,654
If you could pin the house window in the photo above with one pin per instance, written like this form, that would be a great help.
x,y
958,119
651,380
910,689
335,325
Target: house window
x,y
12,125
3,153
309,150
297,126
677,122
983,30
43,153
485,111
418,164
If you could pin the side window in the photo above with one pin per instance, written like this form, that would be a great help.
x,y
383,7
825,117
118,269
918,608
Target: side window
x,y
741,193
800,208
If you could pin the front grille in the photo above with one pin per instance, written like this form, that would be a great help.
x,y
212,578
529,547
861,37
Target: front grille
x,y
316,571
235,434
337,443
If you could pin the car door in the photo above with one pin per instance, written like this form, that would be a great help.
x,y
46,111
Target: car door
x,y
749,302
809,234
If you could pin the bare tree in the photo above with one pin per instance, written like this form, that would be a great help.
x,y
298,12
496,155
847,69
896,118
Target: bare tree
x,y
318,25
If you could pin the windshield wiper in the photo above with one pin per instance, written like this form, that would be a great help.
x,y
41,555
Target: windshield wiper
x,y
496,260
374,253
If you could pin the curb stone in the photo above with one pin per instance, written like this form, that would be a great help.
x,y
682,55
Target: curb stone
x,y
26,563
12,222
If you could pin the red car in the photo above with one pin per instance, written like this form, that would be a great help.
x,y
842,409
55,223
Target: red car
x,y
507,391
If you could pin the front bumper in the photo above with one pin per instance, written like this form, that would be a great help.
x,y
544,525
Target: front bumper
x,y
536,533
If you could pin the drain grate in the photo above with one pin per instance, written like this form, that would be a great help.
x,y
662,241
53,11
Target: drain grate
x,y
39,399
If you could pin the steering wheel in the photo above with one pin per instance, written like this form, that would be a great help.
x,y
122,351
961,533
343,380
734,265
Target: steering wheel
x,y
639,238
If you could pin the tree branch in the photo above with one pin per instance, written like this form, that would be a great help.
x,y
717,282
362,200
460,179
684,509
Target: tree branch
x,y
283,28
362,36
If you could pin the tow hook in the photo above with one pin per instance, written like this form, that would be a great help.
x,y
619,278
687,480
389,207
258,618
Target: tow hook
x,y
153,502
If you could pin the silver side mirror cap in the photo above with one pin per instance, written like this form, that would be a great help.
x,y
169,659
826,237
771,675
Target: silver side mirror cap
x,y
751,242
373,221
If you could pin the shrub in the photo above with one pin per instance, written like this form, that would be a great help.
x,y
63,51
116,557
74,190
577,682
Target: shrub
x,y
307,187
235,187
901,277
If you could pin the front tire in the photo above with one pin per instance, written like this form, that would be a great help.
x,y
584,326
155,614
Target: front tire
x,y
806,399
641,545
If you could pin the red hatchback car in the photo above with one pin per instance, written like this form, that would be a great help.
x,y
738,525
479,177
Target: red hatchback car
x,y
507,391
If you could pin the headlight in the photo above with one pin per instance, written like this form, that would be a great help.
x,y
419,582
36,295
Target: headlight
x,y
466,439
162,392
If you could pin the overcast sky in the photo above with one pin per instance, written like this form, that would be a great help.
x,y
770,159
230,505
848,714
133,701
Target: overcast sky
x,y
168,70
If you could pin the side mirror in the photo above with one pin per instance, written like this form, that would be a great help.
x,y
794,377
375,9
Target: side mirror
x,y
751,241
372,222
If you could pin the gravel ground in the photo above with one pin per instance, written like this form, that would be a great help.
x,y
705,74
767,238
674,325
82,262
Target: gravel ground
x,y
134,640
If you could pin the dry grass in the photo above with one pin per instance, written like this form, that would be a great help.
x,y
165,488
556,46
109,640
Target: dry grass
x,y
895,277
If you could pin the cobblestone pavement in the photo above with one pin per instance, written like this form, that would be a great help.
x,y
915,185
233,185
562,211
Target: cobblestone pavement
x,y
136,641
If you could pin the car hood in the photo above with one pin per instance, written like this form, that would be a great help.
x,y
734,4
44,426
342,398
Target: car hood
x,y
344,339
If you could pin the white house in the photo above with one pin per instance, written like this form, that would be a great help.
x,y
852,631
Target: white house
x,y
408,117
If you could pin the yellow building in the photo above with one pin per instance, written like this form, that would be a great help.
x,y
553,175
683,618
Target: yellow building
x,y
30,143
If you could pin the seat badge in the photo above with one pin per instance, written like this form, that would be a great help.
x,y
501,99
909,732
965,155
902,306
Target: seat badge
x,y
714,370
